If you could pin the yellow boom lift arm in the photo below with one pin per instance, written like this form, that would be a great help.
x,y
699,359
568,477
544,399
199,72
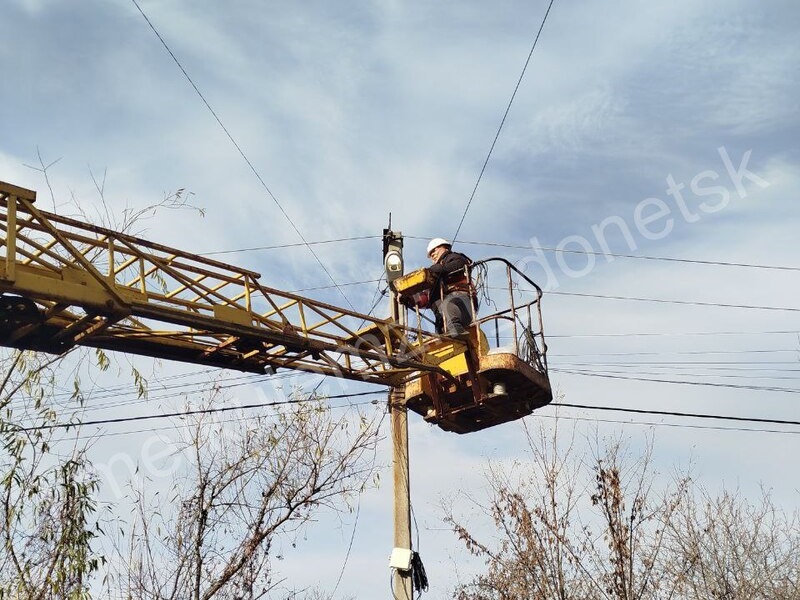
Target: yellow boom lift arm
x,y
64,283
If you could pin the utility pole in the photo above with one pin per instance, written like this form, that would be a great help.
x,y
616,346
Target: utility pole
x,y
400,560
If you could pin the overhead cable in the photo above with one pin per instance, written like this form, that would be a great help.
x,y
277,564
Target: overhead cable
x,y
598,296
616,255
684,373
697,261
185,413
673,333
95,435
760,388
503,120
243,155
684,302
665,424
666,413
297,244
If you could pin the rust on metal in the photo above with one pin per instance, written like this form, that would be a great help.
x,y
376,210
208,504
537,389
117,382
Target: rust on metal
x,y
64,282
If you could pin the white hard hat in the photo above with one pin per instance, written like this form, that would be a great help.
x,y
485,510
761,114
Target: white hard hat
x,y
435,243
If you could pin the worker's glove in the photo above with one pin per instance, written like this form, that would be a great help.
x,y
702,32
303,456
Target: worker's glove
x,y
421,300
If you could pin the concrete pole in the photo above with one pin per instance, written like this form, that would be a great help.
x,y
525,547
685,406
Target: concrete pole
x,y
402,499
401,580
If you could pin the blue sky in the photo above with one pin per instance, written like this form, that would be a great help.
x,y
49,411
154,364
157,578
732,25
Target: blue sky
x,y
352,111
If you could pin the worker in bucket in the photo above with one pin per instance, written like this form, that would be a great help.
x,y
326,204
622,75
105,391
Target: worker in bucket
x,y
451,295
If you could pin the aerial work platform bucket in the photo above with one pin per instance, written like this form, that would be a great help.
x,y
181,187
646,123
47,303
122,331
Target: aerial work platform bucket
x,y
482,386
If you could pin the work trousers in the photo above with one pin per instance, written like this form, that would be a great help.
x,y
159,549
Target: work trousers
x,y
453,313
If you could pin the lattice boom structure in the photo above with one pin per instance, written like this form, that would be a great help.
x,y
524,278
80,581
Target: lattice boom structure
x,y
65,282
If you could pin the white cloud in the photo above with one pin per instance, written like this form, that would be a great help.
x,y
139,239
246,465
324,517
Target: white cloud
x,y
349,113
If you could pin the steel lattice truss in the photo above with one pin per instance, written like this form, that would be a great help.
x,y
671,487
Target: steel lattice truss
x,y
66,282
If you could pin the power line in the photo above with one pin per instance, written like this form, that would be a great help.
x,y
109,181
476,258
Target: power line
x,y
696,261
538,415
503,120
377,296
355,523
177,389
673,333
327,287
158,385
663,301
676,352
759,388
766,367
598,296
672,363
297,244
157,392
657,300
741,366
683,373
186,413
616,255
665,413
297,401
243,155
663,424
99,435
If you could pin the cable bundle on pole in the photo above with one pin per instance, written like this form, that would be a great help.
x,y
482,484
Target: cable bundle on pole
x,y
419,578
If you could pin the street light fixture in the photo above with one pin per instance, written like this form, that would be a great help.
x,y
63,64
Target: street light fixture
x,y
393,254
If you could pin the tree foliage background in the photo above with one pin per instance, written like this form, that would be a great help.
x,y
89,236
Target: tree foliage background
x,y
603,524
207,529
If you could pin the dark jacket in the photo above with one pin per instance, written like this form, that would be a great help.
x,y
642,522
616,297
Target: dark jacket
x,y
450,275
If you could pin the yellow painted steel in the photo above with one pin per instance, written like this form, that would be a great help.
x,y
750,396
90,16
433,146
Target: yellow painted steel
x,y
93,286
414,282
64,282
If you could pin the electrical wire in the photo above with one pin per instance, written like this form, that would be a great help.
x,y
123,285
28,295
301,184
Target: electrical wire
x,y
694,261
617,255
666,413
759,388
609,297
295,401
180,389
539,414
186,413
502,122
684,373
349,546
327,287
419,578
600,296
186,388
377,296
673,333
656,300
355,523
175,390
369,313
663,424
243,155
104,434
685,362
676,352
298,244
663,301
